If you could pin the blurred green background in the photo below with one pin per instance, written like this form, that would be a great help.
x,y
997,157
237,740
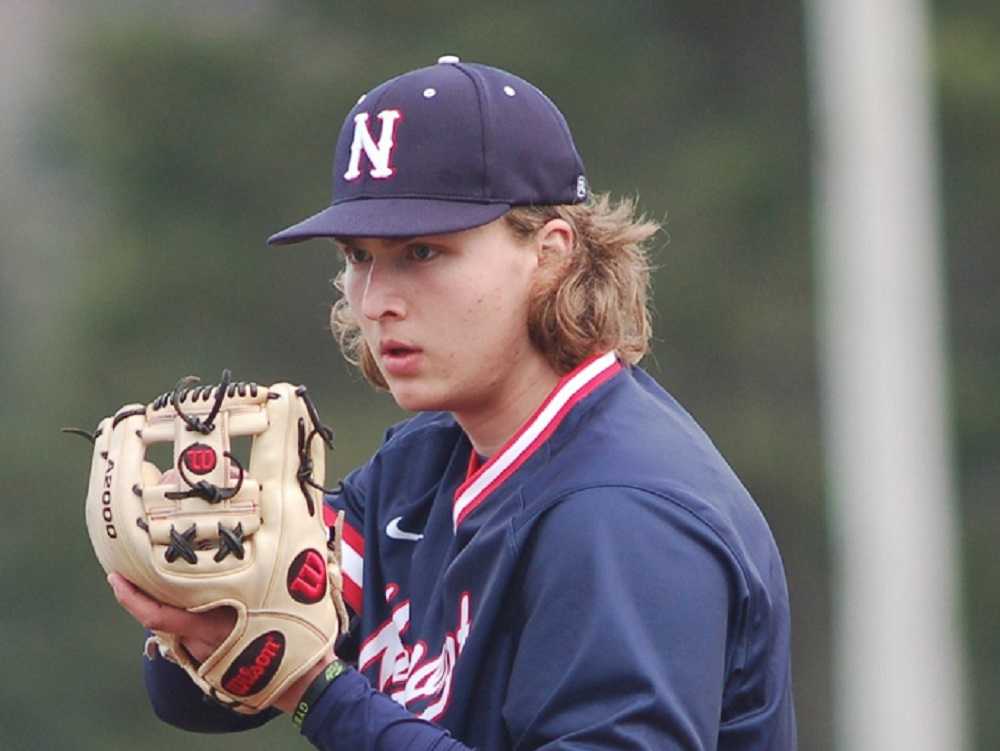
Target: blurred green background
x,y
148,149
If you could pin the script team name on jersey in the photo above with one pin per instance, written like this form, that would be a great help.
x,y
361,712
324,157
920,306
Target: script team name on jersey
x,y
408,674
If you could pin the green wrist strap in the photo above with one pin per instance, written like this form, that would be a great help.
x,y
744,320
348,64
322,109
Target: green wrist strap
x,y
320,684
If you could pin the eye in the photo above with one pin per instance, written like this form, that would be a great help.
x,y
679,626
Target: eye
x,y
422,252
355,256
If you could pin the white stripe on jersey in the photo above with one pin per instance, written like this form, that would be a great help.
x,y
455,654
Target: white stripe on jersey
x,y
531,432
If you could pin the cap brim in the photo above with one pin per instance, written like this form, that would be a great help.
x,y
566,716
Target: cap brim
x,y
391,217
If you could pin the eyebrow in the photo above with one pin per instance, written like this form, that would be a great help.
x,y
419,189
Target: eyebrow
x,y
352,241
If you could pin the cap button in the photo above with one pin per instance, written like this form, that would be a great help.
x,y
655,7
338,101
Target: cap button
x,y
449,59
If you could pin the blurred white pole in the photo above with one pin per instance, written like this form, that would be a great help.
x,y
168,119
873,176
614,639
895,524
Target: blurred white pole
x,y
899,676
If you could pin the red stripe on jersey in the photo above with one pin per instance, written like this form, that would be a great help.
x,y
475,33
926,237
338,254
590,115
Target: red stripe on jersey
x,y
352,595
354,538
572,388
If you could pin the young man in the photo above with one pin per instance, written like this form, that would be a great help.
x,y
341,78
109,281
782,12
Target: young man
x,y
551,553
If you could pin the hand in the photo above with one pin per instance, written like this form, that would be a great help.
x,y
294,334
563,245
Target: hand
x,y
200,633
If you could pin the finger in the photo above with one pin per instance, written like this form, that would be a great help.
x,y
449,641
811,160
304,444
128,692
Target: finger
x,y
170,477
150,613
150,474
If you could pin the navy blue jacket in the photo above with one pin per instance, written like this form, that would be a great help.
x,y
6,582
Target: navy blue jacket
x,y
604,581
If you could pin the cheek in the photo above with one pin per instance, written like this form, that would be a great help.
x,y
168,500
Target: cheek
x,y
487,307
506,297
496,318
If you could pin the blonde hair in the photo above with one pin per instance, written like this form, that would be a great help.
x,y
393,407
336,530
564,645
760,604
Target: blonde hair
x,y
594,299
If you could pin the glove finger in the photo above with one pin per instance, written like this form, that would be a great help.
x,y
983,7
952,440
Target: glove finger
x,y
173,477
99,515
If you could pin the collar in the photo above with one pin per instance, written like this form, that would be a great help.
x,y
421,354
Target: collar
x,y
571,389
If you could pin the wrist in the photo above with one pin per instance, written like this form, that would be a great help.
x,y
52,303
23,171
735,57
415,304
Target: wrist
x,y
289,698
315,688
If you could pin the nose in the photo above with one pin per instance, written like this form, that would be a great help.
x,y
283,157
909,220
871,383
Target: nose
x,y
381,297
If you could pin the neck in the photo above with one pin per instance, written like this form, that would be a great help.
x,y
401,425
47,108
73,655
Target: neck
x,y
489,426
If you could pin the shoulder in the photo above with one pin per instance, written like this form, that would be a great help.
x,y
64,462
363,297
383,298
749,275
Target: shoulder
x,y
633,465
633,505
645,430
634,435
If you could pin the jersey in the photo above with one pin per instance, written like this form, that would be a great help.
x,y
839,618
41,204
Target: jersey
x,y
604,580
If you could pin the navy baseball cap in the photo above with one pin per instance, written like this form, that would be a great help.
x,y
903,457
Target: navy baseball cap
x,y
445,148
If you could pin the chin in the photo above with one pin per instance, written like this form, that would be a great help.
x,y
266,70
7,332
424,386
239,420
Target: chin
x,y
416,399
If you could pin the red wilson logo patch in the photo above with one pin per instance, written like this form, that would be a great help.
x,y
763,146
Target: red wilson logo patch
x,y
307,577
256,665
199,458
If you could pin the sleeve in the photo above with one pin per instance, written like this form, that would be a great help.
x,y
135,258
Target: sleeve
x,y
351,714
624,609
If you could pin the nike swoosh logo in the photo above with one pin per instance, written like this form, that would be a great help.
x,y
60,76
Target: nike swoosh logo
x,y
392,530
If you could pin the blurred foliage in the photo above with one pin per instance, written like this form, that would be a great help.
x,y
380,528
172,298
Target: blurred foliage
x,y
968,67
180,137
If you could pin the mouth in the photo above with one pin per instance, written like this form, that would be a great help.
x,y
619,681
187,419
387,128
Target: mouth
x,y
391,348
400,359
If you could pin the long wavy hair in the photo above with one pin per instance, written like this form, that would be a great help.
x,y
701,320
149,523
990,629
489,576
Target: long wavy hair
x,y
594,299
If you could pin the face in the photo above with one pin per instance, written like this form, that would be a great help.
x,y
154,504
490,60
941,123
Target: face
x,y
446,315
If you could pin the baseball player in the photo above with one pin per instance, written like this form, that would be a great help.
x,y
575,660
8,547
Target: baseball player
x,y
551,553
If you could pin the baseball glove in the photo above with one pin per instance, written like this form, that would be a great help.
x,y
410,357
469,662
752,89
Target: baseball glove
x,y
251,538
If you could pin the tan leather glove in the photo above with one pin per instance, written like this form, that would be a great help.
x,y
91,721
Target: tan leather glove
x,y
251,538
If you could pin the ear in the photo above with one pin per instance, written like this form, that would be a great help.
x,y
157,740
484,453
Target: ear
x,y
554,241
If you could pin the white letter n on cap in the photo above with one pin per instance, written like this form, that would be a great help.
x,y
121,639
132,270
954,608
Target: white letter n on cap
x,y
378,153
